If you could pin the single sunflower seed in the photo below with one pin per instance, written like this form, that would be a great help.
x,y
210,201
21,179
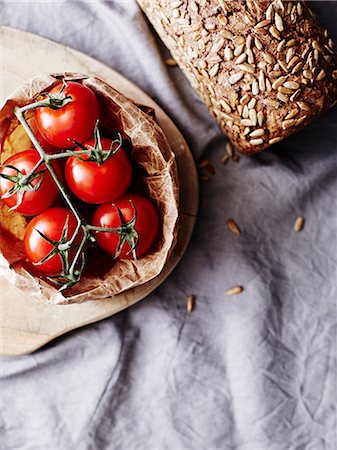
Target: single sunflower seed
x,y
214,70
190,303
321,75
241,59
288,123
290,54
281,45
238,40
291,85
249,41
285,90
228,53
291,42
253,116
234,291
304,106
244,99
239,49
270,12
307,74
260,118
271,102
282,97
256,141
250,55
246,68
225,106
279,22
233,227
317,46
247,123
229,149
297,67
224,159
278,82
275,140
170,62
255,88
299,224
294,60
257,133
274,32
233,79
262,24
252,103
283,64
226,34
218,45
223,19
293,113
300,120
295,95
258,44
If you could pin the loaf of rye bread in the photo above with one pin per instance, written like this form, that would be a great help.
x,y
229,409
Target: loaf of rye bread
x,y
265,69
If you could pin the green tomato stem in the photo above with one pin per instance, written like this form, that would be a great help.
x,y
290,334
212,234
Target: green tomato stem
x,y
19,113
107,230
37,165
31,106
79,251
67,154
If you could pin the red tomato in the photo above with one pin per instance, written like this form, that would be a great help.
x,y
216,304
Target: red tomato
x,y
44,144
75,120
99,183
51,223
147,224
33,202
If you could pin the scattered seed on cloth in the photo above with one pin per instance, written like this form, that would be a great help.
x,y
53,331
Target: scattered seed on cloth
x,y
234,291
299,224
233,227
190,303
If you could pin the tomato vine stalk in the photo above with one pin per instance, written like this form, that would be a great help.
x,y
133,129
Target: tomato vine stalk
x,y
72,271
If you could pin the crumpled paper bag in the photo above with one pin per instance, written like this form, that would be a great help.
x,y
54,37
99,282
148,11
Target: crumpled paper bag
x,y
158,177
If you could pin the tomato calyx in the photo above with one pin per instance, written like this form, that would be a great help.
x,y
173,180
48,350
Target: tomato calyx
x,y
130,234
96,153
127,232
55,101
60,247
22,183
71,268
69,279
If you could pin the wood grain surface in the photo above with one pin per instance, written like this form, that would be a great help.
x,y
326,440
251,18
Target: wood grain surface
x,y
25,326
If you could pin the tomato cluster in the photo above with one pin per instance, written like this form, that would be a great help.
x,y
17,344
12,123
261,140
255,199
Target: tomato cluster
x,y
97,171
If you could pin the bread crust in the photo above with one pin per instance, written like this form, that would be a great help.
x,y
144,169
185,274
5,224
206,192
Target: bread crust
x,y
265,69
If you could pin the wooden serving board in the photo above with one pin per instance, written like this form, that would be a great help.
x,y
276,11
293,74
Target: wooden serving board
x,y
25,325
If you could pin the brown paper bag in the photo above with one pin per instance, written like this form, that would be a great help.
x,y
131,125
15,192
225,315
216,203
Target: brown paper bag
x,y
151,153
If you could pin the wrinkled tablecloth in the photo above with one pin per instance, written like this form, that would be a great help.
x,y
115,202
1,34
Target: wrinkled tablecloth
x,y
256,371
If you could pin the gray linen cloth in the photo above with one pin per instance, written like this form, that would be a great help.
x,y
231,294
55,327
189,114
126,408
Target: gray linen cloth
x,y
251,372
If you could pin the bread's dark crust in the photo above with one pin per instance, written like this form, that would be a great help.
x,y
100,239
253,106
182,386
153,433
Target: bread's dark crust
x,y
286,60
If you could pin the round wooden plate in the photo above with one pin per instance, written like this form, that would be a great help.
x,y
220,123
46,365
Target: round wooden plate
x,y
26,326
